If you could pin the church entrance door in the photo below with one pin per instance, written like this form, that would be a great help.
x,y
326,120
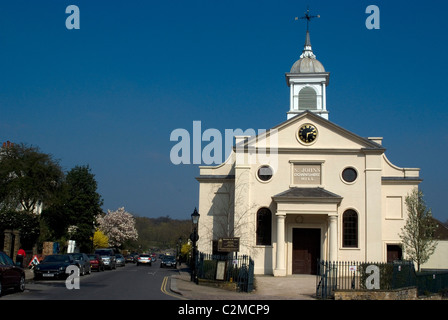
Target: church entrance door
x,y
305,250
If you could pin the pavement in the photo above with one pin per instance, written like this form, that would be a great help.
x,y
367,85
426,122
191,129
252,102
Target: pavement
x,y
295,287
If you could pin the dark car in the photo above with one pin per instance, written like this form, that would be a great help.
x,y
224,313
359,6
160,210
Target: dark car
x,y
11,275
96,263
168,261
54,266
129,258
83,261
108,256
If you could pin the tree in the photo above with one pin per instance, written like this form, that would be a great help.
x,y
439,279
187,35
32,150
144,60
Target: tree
x,y
418,233
100,240
118,226
28,178
82,204
231,215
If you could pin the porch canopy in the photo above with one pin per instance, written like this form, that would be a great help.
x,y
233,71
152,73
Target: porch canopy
x,y
305,201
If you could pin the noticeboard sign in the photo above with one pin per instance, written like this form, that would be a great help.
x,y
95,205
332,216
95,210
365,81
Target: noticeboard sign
x,y
229,244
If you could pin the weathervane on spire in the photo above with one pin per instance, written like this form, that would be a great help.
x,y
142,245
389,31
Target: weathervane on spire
x,y
308,18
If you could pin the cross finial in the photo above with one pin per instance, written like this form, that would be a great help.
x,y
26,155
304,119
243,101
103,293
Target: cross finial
x,y
308,18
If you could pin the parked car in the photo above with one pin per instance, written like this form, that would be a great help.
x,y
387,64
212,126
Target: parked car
x,y
11,275
120,260
84,263
168,261
144,259
108,256
54,266
129,258
96,263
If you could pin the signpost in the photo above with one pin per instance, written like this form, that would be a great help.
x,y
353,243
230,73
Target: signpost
x,y
229,244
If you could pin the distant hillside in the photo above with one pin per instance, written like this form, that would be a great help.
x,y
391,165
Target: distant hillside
x,y
160,233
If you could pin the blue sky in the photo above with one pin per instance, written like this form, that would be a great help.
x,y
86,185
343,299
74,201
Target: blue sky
x,y
110,94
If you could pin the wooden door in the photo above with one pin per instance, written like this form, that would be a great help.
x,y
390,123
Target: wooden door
x,y
305,250
394,252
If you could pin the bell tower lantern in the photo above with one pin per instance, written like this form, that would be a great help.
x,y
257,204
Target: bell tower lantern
x,y
307,81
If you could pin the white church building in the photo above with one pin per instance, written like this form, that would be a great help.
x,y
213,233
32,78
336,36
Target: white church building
x,y
306,189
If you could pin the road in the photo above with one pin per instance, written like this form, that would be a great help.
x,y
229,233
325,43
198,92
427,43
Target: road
x,y
131,282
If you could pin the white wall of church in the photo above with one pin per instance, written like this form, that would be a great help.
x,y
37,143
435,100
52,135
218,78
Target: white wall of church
x,y
378,203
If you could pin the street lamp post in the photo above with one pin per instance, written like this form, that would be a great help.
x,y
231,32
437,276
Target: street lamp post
x,y
179,247
194,237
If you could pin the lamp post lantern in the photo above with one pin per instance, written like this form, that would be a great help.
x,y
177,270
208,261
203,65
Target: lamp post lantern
x,y
194,237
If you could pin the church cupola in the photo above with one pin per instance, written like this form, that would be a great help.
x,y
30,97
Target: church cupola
x,y
308,81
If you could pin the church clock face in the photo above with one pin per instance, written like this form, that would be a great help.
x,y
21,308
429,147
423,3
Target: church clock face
x,y
307,133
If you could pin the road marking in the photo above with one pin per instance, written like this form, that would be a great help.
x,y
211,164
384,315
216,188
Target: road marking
x,y
164,289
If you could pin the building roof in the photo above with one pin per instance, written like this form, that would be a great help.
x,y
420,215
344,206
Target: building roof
x,y
307,62
307,194
441,232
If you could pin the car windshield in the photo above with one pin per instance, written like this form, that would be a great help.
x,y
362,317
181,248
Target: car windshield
x,y
57,258
144,256
92,256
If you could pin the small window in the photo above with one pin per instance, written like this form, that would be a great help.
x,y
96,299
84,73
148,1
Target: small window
x,y
264,227
350,229
349,175
307,99
265,173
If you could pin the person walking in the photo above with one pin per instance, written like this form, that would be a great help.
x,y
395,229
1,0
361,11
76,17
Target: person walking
x,y
21,254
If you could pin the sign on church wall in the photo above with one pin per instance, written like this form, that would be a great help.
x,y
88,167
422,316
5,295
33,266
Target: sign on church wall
x,y
307,174
229,244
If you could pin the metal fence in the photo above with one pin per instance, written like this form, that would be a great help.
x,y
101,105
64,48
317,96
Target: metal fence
x,y
227,268
429,282
344,275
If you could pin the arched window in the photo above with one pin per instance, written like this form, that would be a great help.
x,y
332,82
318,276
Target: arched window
x,y
307,99
264,227
350,229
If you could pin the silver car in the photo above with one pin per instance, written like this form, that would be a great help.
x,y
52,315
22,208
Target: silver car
x,y
120,261
144,259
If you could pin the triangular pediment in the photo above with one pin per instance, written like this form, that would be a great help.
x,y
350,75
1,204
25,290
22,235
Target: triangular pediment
x,y
329,136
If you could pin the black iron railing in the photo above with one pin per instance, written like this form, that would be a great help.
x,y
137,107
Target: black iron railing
x,y
354,275
233,268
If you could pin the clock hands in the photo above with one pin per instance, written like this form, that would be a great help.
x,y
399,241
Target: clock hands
x,y
308,133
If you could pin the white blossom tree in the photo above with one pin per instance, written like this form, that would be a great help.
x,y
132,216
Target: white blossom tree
x,y
118,226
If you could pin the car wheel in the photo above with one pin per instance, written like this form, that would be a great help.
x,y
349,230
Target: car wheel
x,y
21,286
0,288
